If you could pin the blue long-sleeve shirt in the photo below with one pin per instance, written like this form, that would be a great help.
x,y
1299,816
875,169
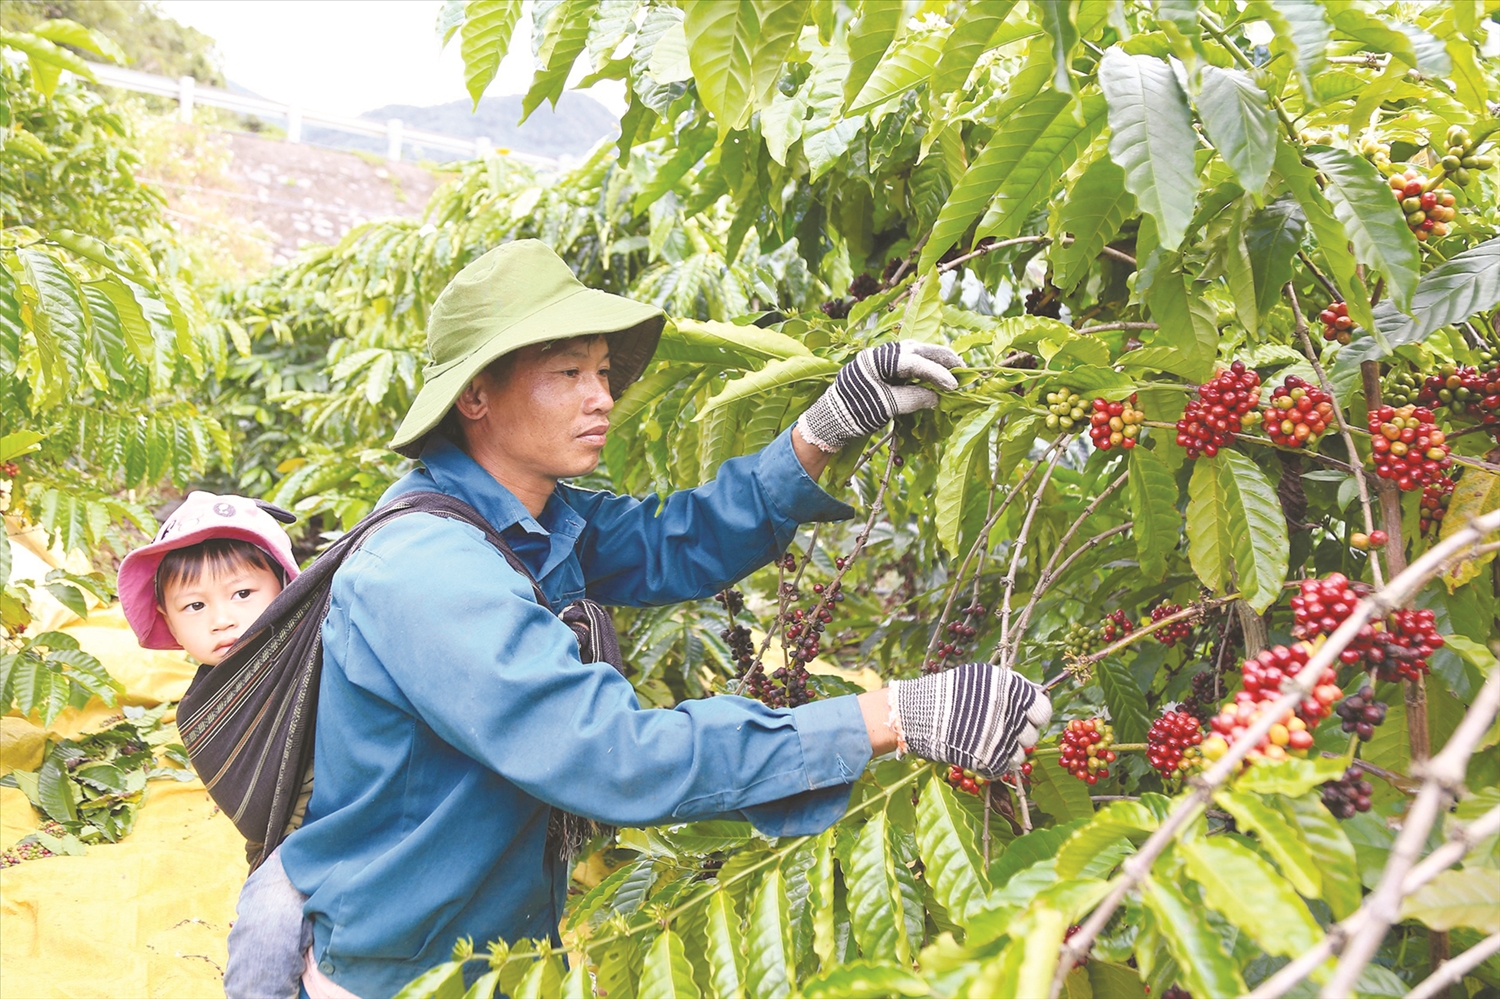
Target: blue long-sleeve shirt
x,y
453,710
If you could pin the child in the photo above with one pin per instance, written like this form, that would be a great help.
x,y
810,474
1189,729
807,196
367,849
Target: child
x,y
214,566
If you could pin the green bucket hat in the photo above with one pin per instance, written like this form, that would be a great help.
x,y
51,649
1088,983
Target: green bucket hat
x,y
516,295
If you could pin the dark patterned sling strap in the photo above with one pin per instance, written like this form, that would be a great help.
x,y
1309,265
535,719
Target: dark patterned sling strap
x,y
248,723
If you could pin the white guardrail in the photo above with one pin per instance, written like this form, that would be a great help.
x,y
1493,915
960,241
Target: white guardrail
x,y
188,93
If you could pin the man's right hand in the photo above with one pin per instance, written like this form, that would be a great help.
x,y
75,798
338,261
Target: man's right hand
x,y
976,716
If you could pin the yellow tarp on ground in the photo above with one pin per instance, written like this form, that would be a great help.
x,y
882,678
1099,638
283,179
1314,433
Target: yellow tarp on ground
x,y
148,916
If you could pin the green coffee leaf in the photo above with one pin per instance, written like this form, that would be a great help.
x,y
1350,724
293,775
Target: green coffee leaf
x,y
1332,854
1153,504
1457,898
1206,968
946,841
1239,121
1152,139
1371,216
1247,891
666,971
771,962
1092,214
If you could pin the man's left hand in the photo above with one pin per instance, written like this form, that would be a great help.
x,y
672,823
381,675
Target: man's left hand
x,y
868,392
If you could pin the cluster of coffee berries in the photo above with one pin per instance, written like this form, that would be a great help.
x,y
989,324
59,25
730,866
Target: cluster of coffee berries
x,y
1408,447
736,636
1466,392
1336,323
1065,409
1203,699
1401,387
1043,301
1461,156
1080,640
1434,506
965,780
1298,413
1085,751
1117,625
29,848
1360,713
1427,212
1348,795
1175,632
1115,424
1289,733
10,469
804,633
960,633
1271,668
1409,638
1172,744
1211,420
1321,605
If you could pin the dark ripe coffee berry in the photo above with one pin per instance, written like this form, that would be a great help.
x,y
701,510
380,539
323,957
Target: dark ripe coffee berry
x,y
1410,636
1115,424
1172,745
732,599
1348,795
1212,420
1408,447
1175,632
1176,992
1360,714
1084,749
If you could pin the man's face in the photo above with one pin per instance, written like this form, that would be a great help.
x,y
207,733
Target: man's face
x,y
548,415
208,614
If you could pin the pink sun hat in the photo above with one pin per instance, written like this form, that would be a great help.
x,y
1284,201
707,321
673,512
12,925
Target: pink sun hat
x,y
201,517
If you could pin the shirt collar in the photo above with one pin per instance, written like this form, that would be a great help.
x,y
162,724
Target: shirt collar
x,y
457,474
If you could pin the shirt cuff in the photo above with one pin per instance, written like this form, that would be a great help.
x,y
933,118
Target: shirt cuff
x,y
835,742
791,490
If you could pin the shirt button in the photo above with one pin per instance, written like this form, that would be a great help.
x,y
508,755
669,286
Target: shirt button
x,y
326,967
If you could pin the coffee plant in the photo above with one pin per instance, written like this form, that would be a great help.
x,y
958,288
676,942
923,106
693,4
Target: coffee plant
x,y
1197,213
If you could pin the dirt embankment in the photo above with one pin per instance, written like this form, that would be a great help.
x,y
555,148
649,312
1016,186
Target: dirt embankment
x,y
302,194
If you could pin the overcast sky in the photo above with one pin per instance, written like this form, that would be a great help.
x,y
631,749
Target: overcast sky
x,y
346,58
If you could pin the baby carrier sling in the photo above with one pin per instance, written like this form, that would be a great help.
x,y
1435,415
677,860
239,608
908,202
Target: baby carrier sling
x,y
248,722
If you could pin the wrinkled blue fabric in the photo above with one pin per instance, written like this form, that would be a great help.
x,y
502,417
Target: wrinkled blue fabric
x,y
453,710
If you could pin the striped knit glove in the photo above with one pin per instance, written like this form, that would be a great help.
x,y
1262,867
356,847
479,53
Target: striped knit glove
x,y
976,716
865,397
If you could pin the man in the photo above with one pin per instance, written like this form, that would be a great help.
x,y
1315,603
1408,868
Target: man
x,y
454,713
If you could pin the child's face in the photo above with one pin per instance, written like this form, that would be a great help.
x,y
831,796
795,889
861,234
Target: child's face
x,y
209,614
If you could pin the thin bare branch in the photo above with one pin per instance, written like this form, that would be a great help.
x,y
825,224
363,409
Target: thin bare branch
x,y
981,542
1106,327
1005,652
1045,579
1451,972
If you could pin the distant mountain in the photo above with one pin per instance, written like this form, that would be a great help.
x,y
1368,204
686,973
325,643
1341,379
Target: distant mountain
x,y
578,123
